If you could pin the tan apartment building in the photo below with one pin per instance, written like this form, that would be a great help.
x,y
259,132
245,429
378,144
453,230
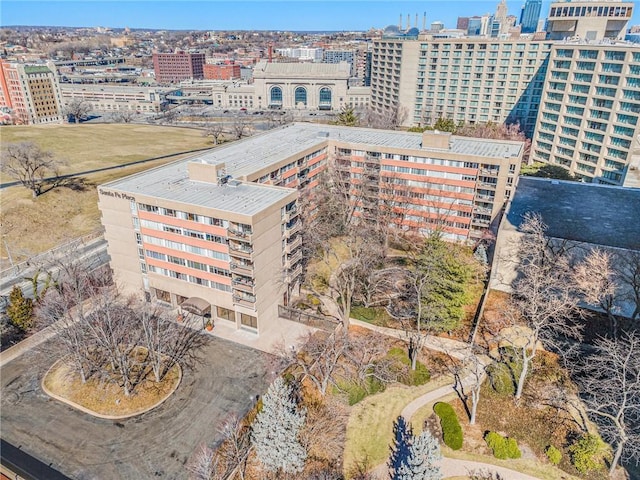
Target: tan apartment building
x,y
31,92
471,80
588,20
223,227
589,111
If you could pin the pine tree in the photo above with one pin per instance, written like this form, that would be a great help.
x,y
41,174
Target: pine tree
x,y
275,431
420,463
347,117
20,309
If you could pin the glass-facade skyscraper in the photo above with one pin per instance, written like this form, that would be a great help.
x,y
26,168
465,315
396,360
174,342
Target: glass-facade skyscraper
x,y
530,16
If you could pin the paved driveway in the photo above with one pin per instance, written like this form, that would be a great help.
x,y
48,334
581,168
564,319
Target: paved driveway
x,y
156,444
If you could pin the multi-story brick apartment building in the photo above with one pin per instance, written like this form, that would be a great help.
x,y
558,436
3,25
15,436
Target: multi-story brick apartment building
x,y
588,121
175,67
31,92
221,71
475,80
223,226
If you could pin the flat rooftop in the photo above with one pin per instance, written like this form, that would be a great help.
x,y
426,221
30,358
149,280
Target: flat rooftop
x,y
171,182
582,212
245,157
257,152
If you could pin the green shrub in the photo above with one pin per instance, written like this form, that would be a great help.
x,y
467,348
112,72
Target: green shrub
x,y
512,448
451,430
502,447
416,377
504,373
553,454
356,391
588,453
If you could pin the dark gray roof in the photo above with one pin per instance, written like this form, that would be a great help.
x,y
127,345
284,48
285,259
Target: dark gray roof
x,y
583,212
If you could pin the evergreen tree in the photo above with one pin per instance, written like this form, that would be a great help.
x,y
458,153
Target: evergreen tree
x,y
347,117
414,457
275,431
20,309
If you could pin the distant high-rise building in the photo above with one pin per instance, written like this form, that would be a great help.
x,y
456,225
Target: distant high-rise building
x,y
589,20
437,26
530,15
588,118
175,67
475,26
472,80
337,56
463,23
31,93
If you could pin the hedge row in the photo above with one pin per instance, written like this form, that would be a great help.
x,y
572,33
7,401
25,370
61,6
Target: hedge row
x,y
451,430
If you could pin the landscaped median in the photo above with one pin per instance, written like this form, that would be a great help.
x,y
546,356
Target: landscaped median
x,y
106,399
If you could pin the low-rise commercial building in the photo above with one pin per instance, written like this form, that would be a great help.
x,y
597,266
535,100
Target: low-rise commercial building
x,y
116,98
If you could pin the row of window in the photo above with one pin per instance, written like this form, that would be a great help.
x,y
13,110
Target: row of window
x,y
205,252
189,278
183,231
183,215
423,172
187,263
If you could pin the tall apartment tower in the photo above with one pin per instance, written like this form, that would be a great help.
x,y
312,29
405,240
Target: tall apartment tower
x,y
175,67
588,120
474,80
588,20
530,15
31,93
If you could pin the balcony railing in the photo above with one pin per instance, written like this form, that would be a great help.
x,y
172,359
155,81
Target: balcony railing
x,y
242,268
293,274
292,259
240,234
244,301
290,214
291,246
294,228
243,287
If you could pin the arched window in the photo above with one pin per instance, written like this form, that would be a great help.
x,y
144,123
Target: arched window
x,y
300,95
275,98
325,99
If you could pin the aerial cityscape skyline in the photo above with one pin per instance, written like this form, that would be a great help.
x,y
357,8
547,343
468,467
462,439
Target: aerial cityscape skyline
x,y
292,15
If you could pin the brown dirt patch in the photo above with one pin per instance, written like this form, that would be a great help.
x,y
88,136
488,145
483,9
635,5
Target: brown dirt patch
x,y
106,398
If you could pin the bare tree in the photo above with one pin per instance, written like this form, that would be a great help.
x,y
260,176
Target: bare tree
x,y
126,116
366,357
388,119
166,342
542,297
30,165
627,266
320,356
468,367
595,278
241,127
202,464
236,442
609,381
214,131
78,109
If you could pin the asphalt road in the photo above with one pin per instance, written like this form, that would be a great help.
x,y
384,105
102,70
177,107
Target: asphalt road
x,y
156,444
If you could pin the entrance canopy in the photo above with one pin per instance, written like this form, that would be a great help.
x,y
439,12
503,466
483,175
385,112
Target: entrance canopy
x,y
196,305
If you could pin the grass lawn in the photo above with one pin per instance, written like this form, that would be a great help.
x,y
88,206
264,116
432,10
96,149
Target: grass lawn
x,y
86,146
107,398
31,226
370,425
375,316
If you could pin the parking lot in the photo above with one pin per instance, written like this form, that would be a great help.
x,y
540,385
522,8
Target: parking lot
x,y
156,444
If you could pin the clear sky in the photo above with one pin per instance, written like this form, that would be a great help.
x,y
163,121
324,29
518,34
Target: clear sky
x,y
296,15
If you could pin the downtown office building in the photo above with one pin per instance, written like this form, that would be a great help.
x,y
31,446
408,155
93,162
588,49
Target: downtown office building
x,y
223,227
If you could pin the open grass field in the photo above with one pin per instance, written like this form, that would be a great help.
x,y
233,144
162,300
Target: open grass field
x,y
33,225
85,146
